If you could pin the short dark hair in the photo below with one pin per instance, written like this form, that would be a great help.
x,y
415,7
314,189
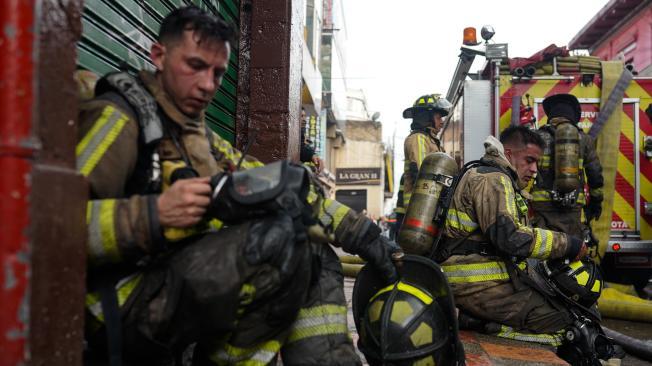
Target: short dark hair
x,y
520,136
206,26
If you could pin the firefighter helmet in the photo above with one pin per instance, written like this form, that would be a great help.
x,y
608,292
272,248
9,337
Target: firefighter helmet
x,y
409,322
579,281
428,103
563,105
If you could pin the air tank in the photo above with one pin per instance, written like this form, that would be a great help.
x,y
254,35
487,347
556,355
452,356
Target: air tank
x,y
418,230
567,155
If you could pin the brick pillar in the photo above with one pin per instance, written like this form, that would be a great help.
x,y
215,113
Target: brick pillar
x,y
269,85
59,194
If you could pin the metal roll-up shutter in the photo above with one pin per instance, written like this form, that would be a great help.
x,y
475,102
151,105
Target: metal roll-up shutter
x,y
119,33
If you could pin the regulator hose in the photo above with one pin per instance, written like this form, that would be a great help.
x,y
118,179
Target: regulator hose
x,y
631,345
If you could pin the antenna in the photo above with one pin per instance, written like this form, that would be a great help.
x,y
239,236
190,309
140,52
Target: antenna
x,y
252,139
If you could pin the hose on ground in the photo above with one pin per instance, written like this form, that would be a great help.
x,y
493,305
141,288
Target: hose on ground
x,y
636,347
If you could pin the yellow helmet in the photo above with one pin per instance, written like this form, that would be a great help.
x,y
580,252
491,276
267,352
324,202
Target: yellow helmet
x,y
428,103
410,322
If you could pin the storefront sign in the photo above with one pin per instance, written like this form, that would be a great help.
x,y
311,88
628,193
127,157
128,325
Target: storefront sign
x,y
364,176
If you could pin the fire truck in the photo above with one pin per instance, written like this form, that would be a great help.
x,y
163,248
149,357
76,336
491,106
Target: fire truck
x,y
511,91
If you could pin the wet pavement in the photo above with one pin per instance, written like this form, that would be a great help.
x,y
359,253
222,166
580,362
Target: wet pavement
x,y
486,350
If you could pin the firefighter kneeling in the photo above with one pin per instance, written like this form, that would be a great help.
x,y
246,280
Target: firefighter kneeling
x,y
489,252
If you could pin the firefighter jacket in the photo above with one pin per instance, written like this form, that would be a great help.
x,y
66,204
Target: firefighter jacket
x,y
122,212
590,170
487,225
417,146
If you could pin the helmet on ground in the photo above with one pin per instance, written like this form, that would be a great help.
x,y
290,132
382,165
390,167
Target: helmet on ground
x,y
563,105
410,322
580,281
428,103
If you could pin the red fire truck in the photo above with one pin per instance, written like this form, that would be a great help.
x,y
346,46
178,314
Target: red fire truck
x,y
501,94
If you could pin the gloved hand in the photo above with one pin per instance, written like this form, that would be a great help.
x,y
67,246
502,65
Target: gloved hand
x,y
577,248
273,240
593,210
379,253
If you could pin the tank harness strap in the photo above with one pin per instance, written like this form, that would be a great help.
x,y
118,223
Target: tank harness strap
x,y
141,101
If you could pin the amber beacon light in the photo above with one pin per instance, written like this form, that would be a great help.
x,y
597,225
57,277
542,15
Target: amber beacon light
x,y
470,37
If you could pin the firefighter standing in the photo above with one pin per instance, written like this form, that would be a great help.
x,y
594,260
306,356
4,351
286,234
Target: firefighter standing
x,y
487,229
158,269
427,115
553,207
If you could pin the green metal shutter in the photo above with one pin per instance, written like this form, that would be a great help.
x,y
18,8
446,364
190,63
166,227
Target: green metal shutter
x,y
120,32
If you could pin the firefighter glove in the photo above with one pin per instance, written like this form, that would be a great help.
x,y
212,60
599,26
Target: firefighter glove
x,y
593,209
273,241
379,253
576,248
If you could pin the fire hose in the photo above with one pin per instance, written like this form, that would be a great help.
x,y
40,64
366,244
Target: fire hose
x,y
633,346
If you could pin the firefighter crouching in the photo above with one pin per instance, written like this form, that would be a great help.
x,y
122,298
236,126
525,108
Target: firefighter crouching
x,y
161,277
487,240
569,161
427,115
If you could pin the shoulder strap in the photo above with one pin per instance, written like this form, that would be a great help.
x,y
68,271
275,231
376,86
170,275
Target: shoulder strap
x,y
140,100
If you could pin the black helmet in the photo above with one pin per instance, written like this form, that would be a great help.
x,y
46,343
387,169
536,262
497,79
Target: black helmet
x,y
579,281
408,322
428,102
563,105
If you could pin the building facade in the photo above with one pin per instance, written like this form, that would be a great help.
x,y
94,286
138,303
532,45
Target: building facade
x,y
621,30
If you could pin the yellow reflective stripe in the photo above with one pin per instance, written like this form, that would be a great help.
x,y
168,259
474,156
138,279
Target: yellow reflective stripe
x,y
544,162
576,265
542,243
334,209
402,286
102,243
407,196
320,330
123,288
312,196
460,220
477,272
97,141
509,197
260,355
400,210
232,154
421,143
540,196
597,286
97,126
554,339
319,320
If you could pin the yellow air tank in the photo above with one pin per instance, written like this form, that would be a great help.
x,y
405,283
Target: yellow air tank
x,y
567,155
418,230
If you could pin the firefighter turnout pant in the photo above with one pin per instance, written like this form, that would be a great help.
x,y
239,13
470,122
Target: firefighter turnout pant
x,y
485,291
318,336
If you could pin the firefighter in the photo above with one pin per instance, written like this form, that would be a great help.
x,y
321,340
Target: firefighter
x,y
427,115
307,153
558,198
162,275
487,239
